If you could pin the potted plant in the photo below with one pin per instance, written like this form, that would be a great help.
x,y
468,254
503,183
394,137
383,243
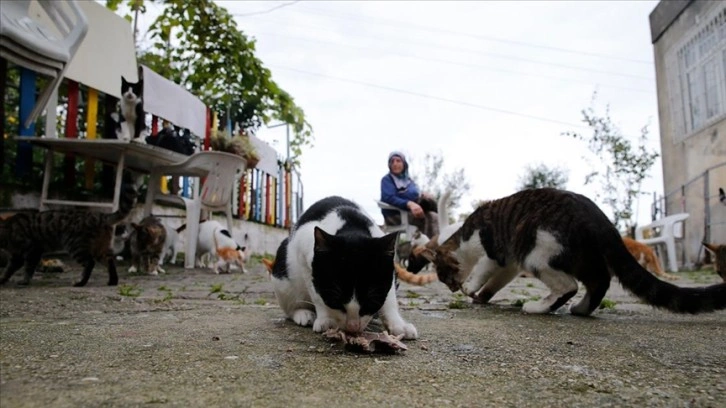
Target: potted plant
x,y
240,145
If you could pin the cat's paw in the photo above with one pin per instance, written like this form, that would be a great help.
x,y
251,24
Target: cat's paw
x,y
407,329
323,324
469,288
303,317
154,272
132,269
160,269
535,307
482,297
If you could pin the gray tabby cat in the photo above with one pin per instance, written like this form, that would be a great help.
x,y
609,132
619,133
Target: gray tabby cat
x,y
86,235
561,238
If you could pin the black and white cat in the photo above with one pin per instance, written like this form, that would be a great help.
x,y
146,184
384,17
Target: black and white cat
x,y
133,125
335,271
561,238
169,137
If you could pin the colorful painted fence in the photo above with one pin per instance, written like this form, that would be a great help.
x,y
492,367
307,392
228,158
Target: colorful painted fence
x,y
261,197
270,199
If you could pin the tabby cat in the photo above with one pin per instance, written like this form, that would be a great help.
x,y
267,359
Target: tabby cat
x,y
86,235
146,243
560,237
415,261
335,271
719,252
646,257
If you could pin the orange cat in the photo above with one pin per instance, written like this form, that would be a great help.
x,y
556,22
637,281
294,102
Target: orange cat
x,y
269,264
719,252
402,273
646,257
413,278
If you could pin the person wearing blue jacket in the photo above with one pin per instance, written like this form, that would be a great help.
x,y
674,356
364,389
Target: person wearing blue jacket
x,y
399,190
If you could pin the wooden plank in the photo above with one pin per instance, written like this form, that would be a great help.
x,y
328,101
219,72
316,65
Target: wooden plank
x,y
91,123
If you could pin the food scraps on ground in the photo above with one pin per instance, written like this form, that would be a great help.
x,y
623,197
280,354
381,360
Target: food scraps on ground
x,y
368,342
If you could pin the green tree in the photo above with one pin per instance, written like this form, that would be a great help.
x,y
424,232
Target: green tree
x,y
540,176
197,44
431,178
619,164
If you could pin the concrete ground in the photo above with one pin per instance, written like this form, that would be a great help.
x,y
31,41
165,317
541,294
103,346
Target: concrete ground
x,y
196,339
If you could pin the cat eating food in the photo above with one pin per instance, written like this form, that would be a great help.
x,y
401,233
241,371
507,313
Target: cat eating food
x,y
561,238
170,249
146,243
86,235
215,241
335,271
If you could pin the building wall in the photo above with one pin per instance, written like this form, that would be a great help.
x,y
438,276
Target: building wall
x,y
687,155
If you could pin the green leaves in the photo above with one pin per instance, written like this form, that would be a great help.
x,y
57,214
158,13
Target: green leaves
x,y
540,176
435,181
624,163
197,44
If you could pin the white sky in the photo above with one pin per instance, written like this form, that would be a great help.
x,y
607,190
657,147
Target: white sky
x,y
440,77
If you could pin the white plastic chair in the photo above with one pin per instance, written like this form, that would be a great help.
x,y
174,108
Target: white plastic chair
x,y
30,44
220,171
404,227
668,230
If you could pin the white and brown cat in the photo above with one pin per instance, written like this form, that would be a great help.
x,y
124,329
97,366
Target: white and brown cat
x,y
215,241
561,238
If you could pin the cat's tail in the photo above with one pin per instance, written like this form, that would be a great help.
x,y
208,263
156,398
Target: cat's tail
x,y
413,278
659,293
125,205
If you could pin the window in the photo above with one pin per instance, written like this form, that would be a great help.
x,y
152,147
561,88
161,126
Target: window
x,y
697,77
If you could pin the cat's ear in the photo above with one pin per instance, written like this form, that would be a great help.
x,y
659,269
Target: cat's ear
x,y
124,82
710,247
388,243
428,254
322,240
